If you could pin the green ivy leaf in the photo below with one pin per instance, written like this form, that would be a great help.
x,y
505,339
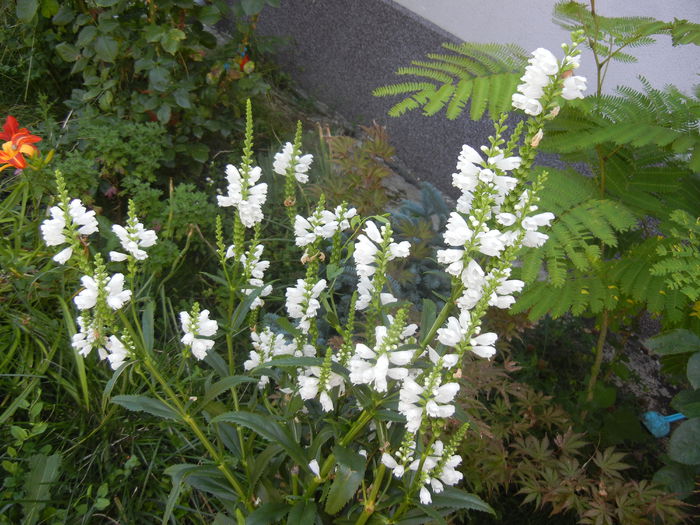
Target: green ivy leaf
x,y
67,52
252,7
182,98
158,78
64,16
678,479
146,404
349,474
677,341
153,33
687,402
199,152
694,370
163,113
49,8
26,9
209,15
171,40
106,48
87,34
683,446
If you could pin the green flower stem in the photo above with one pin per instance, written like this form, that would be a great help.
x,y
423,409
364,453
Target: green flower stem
x,y
415,484
192,423
369,503
329,463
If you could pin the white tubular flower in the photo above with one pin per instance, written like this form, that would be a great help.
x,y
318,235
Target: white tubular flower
x,y
267,345
453,258
133,239
85,220
343,216
283,161
531,106
396,468
321,225
543,65
367,255
87,338
574,86
483,345
116,295
311,385
256,268
314,467
55,230
448,360
196,325
409,404
87,298
302,302
455,330
63,256
118,352
458,231
245,195
372,366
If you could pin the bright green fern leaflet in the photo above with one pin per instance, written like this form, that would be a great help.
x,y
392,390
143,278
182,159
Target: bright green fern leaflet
x,y
484,74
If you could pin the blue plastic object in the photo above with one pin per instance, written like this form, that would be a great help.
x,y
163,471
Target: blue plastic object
x,y
659,425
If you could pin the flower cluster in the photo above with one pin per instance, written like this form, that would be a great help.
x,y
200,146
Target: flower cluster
x,y
196,326
286,163
267,345
66,223
245,194
302,301
254,270
323,224
373,249
373,365
543,68
134,238
18,142
100,297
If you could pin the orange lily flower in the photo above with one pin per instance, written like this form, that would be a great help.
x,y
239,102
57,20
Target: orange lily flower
x,y
11,157
19,142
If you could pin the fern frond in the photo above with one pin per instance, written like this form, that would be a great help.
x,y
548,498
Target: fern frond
x,y
481,76
400,89
432,74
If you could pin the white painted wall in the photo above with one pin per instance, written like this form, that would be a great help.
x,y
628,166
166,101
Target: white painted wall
x,y
528,23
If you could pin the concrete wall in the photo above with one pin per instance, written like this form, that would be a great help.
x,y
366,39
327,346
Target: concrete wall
x,y
340,50
528,23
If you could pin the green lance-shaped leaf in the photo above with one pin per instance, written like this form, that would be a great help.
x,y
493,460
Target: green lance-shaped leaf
x,y
268,513
302,512
349,474
459,499
268,429
43,471
147,404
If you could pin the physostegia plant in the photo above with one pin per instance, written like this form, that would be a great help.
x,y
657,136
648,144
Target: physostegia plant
x,y
367,427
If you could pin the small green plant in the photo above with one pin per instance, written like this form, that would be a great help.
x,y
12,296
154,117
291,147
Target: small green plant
x,y
152,61
357,168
